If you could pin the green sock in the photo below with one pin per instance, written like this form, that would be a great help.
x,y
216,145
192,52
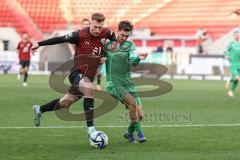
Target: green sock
x,y
138,127
131,128
234,84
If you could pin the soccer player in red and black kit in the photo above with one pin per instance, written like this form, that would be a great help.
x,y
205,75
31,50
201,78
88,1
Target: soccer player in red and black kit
x,y
23,49
89,44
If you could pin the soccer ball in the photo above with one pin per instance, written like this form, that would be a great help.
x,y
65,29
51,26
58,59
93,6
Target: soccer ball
x,y
98,139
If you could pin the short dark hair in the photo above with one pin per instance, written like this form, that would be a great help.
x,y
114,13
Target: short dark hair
x,y
125,25
99,17
85,19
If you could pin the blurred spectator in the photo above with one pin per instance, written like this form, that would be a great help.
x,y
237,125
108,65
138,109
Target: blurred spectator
x,y
204,41
169,56
159,49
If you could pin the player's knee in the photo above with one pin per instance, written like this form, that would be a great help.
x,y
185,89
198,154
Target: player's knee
x,y
132,104
88,91
25,70
65,103
133,117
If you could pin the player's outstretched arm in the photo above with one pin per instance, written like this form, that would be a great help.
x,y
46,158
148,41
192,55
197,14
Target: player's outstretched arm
x,y
70,38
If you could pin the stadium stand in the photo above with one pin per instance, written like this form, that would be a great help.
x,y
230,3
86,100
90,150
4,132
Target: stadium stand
x,y
164,17
46,14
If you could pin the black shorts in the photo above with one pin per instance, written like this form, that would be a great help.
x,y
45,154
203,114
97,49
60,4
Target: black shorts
x,y
74,79
24,63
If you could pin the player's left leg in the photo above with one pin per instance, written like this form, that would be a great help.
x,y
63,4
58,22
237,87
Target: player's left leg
x,y
130,101
25,68
25,73
86,87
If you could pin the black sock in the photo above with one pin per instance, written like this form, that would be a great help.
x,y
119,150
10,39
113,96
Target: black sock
x,y
89,110
51,106
25,77
99,79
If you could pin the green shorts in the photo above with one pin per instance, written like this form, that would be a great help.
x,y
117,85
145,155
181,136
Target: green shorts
x,y
119,92
235,72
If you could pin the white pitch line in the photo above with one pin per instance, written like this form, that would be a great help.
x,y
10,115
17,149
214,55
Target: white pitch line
x,y
145,126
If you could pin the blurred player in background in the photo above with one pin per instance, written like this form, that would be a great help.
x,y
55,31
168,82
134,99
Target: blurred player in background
x,y
120,83
232,53
89,43
72,47
23,50
99,77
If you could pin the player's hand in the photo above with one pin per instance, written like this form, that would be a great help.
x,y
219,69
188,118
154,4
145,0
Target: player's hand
x,y
142,56
227,57
72,58
113,46
140,112
102,60
34,47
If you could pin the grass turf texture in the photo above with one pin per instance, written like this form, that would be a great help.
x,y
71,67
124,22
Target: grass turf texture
x,y
190,103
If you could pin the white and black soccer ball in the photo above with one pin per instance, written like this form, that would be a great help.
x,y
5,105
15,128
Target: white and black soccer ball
x,y
98,139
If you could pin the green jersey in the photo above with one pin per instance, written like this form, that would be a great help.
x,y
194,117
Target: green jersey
x,y
118,64
233,51
118,68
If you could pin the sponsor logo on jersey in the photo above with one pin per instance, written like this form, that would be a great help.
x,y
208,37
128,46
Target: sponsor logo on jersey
x,y
87,42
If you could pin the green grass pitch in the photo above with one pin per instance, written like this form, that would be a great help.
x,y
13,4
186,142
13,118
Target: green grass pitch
x,y
203,106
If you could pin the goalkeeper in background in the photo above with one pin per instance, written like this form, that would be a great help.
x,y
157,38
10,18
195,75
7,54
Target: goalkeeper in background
x,y
232,53
119,82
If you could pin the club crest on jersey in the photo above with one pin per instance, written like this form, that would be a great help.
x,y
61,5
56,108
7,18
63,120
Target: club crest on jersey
x,y
124,48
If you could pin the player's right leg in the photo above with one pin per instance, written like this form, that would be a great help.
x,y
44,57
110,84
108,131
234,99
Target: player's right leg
x,y
227,83
25,73
233,81
26,68
20,70
65,102
233,86
98,87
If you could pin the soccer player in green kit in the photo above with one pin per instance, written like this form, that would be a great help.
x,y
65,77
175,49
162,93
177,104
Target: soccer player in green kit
x,y
232,53
119,82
